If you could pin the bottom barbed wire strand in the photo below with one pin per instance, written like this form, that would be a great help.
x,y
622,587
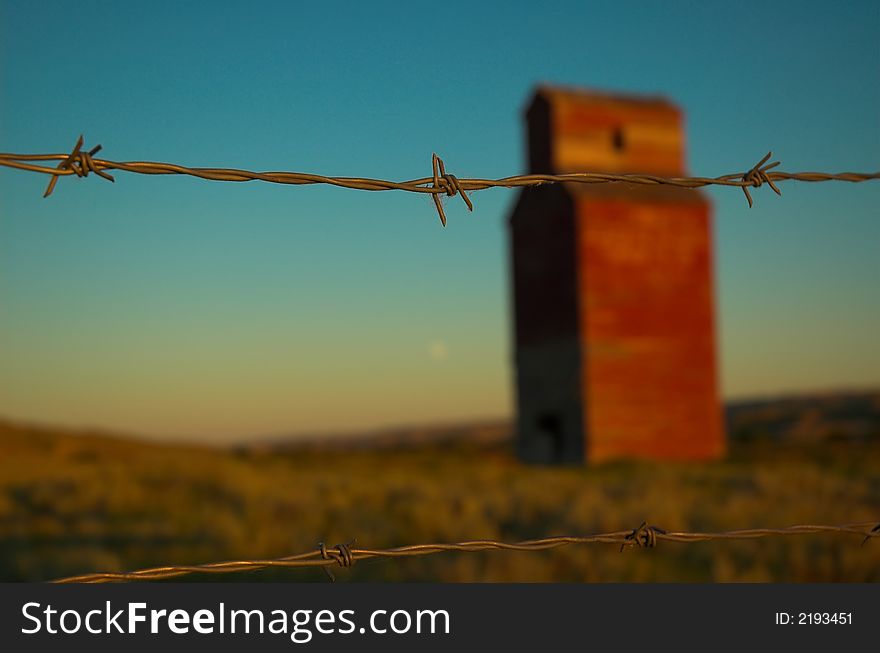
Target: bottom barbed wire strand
x,y
345,555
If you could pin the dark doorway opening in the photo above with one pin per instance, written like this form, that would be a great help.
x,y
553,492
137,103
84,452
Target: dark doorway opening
x,y
550,432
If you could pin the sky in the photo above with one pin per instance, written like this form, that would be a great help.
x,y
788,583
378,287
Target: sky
x,y
175,307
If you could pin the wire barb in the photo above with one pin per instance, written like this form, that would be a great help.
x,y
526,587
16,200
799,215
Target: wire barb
x,y
871,534
341,554
81,163
447,183
643,536
757,176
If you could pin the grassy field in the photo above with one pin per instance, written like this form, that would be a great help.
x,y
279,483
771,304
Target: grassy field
x,y
71,504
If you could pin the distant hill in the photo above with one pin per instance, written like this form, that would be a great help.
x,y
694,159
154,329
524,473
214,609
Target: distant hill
x,y
804,418
476,434
852,416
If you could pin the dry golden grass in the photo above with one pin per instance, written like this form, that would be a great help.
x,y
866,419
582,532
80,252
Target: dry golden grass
x,y
72,504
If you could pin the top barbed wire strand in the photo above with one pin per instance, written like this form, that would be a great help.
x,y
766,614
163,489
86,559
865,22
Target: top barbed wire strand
x,y
80,162
345,555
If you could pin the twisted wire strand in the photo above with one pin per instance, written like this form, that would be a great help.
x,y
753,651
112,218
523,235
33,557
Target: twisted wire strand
x,y
345,555
81,163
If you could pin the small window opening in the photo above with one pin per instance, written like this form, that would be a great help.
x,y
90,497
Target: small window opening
x,y
617,139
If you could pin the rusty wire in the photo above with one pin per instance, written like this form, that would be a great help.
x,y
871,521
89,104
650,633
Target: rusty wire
x,y
345,555
80,163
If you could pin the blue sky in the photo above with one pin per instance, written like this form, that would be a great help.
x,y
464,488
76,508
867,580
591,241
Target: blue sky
x,y
178,307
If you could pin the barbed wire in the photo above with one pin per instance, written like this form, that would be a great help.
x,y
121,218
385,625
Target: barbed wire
x,y
81,162
345,555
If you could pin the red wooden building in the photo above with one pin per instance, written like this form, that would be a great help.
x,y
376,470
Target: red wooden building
x,y
612,289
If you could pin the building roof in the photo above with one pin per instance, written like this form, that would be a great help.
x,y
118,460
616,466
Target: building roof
x,y
578,130
554,93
